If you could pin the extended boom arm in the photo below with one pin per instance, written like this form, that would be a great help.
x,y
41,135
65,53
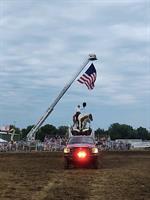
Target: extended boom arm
x,y
31,135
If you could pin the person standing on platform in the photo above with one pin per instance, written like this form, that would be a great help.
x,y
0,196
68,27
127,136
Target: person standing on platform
x,y
76,115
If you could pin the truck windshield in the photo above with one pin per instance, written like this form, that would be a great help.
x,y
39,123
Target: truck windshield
x,y
81,140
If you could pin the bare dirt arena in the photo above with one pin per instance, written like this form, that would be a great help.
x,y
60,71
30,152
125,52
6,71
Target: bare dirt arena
x,y
40,176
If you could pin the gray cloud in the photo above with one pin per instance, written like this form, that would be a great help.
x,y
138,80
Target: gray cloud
x,y
44,44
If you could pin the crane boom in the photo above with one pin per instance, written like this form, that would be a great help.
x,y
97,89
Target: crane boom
x,y
31,135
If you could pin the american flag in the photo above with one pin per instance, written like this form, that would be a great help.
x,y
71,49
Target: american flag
x,y
89,77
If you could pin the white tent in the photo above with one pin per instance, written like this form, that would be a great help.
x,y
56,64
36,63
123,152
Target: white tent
x,y
2,141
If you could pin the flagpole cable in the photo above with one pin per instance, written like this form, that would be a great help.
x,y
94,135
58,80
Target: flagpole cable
x,y
31,135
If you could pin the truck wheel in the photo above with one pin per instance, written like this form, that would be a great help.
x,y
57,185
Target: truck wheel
x,y
66,164
95,164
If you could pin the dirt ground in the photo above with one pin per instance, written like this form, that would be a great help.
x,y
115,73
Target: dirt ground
x,y
40,176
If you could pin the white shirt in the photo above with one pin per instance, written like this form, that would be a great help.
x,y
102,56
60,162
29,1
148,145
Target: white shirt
x,y
78,109
84,111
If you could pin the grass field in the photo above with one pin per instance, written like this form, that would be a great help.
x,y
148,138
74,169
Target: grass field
x,y
40,176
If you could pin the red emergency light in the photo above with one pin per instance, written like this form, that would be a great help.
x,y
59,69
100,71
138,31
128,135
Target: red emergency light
x,y
81,154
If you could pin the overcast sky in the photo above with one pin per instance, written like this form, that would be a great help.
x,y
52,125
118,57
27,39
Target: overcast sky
x,y
44,43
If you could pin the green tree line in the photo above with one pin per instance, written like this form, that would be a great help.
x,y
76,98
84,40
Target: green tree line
x,y
115,131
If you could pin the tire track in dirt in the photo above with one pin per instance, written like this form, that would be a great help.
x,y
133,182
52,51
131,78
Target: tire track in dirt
x,y
66,185
40,195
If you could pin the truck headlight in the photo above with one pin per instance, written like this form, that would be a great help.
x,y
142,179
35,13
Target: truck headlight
x,y
94,150
66,150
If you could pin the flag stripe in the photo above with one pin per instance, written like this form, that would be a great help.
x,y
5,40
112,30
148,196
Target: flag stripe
x,y
89,77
